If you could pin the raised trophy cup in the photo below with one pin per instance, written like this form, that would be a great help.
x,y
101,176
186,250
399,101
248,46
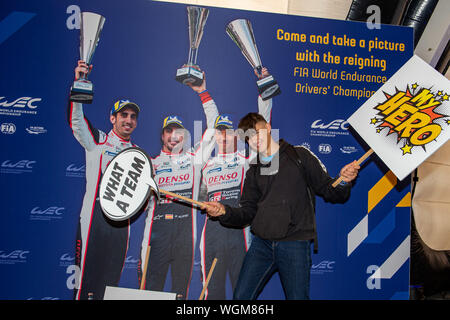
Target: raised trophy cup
x,y
91,25
241,32
190,72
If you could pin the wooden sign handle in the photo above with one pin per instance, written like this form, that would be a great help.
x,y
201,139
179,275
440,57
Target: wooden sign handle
x,y
360,160
208,278
144,271
201,204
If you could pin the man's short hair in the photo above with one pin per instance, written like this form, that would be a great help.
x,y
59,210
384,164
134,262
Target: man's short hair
x,y
248,123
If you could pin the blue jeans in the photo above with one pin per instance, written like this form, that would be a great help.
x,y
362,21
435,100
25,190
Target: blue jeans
x,y
292,259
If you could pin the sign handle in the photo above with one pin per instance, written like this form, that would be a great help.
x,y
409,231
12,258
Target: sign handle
x,y
201,204
360,160
208,278
144,271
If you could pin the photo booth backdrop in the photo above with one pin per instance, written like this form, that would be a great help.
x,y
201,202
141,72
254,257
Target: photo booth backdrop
x,y
141,46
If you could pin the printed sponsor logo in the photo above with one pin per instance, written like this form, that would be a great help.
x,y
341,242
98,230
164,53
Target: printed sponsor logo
x,y
322,267
131,262
218,169
13,257
17,167
19,106
325,148
337,127
222,178
348,149
36,130
163,170
306,145
75,170
225,195
66,260
232,165
47,214
216,196
179,179
8,128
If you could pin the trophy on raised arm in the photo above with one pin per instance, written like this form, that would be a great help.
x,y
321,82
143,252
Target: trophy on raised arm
x,y
190,72
91,25
241,32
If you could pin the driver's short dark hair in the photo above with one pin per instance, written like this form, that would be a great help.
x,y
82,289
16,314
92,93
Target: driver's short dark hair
x,y
250,120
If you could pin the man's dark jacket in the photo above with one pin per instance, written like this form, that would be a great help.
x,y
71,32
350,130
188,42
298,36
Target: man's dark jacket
x,y
275,199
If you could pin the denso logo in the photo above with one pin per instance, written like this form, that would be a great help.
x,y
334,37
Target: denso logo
x,y
223,177
172,179
333,125
49,211
20,102
22,164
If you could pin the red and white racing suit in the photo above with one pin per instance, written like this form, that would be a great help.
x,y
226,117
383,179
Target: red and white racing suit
x,y
101,244
170,227
222,180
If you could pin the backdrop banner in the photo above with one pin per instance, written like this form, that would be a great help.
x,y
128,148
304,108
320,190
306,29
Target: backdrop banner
x,y
326,69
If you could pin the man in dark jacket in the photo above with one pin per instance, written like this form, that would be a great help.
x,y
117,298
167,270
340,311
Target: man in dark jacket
x,y
278,202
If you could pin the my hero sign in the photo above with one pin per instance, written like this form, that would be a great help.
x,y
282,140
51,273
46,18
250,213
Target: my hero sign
x,y
408,118
126,184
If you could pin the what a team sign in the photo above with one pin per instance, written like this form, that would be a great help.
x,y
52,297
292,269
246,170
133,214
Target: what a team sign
x,y
126,184
408,118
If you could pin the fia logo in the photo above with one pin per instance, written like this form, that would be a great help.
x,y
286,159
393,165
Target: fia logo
x,y
325,148
8,128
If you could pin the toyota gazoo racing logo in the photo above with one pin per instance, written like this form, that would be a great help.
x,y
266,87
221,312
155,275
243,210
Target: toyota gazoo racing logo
x,y
413,115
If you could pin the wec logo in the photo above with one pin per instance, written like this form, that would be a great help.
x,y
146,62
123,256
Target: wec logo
x,y
22,164
333,125
49,211
20,102
47,214
14,255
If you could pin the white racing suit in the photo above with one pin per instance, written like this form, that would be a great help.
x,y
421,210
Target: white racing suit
x,y
101,244
170,226
222,180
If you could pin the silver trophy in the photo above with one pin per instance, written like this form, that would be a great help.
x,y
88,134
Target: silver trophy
x,y
190,72
91,25
241,32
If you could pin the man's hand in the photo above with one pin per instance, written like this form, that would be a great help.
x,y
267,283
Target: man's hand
x,y
264,73
82,69
350,171
214,209
201,87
